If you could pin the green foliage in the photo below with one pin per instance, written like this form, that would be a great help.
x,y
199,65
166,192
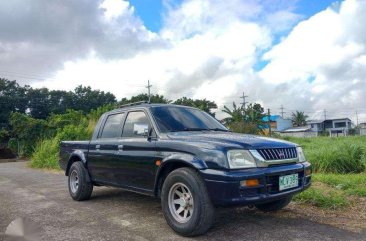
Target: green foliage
x,y
46,154
352,184
144,97
335,155
203,104
248,120
28,131
299,118
321,198
13,145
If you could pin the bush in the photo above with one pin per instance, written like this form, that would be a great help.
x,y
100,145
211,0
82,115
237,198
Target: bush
x,y
46,154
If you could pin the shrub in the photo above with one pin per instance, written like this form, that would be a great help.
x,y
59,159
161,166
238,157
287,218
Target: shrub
x,y
46,154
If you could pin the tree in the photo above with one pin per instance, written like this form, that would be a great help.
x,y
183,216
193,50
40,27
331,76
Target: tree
x,y
299,118
247,120
13,98
144,97
201,104
235,115
86,99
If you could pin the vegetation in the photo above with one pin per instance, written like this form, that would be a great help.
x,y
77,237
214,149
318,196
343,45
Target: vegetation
x,y
334,191
299,118
335,155
245,120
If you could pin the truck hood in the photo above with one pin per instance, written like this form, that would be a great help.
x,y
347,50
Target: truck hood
x,y
230,139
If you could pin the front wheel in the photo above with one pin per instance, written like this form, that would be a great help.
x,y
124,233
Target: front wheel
x,y
185,202
275,205
79,187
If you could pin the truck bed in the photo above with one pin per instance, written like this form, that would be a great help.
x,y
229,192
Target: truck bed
x,y
68,147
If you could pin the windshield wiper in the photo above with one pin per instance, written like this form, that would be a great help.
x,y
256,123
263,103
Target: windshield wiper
x,y
218,129
191,129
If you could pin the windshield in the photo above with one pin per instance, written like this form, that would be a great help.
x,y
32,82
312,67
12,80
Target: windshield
x,y
172,119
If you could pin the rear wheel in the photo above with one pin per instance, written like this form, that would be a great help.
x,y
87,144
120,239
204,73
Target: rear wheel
x,y
186,205
79,187
275,205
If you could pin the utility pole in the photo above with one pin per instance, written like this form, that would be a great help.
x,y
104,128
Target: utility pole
x,y
325,114
243,103
282,112
148,88
269,122
356,118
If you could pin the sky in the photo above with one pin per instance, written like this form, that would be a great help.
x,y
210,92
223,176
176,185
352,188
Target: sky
x,y
304,55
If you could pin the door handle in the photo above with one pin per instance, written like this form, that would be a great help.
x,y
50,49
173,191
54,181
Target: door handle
x,y
120,147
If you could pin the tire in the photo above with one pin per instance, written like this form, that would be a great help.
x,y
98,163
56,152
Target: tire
x,y
194,199
275,205
80,188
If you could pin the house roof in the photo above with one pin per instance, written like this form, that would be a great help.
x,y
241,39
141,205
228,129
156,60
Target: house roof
x,y
298,129
321,121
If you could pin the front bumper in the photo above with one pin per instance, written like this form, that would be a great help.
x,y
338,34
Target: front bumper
x,y
224,186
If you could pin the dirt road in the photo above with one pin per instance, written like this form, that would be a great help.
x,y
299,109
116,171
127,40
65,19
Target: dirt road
x,y
114,214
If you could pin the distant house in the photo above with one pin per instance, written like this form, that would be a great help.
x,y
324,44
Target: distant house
x,y
362,130
340,126
277,123
300,131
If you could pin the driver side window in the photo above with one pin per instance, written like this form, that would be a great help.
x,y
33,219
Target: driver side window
x,y
136,125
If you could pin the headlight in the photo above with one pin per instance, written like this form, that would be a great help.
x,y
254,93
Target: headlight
x,y
240,159
300,154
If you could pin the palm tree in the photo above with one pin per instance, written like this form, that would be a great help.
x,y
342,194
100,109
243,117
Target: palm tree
x,y
235,115
299,118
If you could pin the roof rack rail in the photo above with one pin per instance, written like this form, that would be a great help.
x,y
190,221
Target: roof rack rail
x,y
134,103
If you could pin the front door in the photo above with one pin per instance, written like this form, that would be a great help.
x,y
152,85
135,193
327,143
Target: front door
x,y
102,150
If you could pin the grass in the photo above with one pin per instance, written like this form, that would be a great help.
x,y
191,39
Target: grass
x,y
335,155
334,191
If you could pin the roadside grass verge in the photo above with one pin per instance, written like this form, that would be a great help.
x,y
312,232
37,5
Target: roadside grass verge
x,y
334,191
334,155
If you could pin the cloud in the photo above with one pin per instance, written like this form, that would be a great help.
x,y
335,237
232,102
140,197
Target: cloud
x,y
328,50
41,35
205,49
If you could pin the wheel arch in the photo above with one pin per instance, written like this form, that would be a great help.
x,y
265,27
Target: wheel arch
x,y
74,157
170,165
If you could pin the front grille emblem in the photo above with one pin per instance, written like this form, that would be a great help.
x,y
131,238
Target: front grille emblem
x,y
281,154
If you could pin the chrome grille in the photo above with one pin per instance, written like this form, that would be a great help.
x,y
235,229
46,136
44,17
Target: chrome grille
x,y
278,153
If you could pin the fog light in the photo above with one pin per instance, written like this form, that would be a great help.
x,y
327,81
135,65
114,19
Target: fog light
x,y
307,172
249,183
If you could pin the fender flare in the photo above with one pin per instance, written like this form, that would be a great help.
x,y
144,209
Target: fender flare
x,y
179,158
77,155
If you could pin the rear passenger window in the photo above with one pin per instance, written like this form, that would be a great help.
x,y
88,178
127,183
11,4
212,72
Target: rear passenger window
x,y
113,126
136,125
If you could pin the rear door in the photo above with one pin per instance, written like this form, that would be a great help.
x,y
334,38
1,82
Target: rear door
x,y
136,156
102,157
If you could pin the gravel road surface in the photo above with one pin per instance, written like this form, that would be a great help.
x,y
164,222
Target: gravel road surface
x,y
114,214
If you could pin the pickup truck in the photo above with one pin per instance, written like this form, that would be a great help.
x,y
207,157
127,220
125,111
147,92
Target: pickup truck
x,y
188,159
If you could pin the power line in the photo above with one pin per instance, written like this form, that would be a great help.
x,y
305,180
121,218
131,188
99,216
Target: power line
x,y
244,102
282,112
148,88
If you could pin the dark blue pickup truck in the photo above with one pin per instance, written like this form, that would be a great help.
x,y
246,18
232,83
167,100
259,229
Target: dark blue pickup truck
x,y
188,159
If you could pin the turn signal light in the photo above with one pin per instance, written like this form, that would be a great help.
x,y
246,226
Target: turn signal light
x,y
249,183
308,172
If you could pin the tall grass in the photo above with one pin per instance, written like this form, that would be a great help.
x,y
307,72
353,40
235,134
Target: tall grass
x,y
335,155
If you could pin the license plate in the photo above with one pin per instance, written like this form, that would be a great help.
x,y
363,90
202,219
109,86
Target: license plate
x,y
288,181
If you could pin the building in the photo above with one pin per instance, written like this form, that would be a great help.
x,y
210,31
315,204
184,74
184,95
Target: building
x,y
340,126
277,123
300,131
